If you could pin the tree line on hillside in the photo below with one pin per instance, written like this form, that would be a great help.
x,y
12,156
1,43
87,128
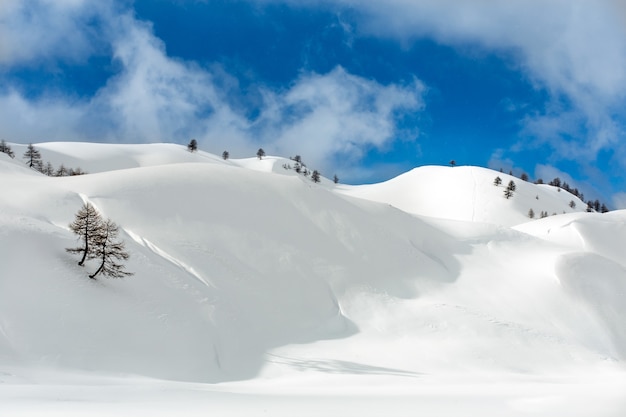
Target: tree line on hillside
x,y
33,159
592,205
511,187
298,166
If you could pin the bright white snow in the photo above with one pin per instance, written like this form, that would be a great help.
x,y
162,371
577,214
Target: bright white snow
x,y
258,292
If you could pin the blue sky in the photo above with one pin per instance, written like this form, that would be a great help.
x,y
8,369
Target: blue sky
x,y
364,89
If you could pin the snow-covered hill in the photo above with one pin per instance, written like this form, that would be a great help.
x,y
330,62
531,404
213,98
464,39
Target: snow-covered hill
x,y
469,194
250,273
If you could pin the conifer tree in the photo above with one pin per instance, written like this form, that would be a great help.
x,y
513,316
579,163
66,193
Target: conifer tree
x,y
48,169
497,181
193,145
531,213
315,176
336,179
225,155
260,153
33,158
109,250
87,225
508,192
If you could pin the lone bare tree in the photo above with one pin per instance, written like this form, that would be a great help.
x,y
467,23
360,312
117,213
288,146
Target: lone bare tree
x,y
109,250
87,225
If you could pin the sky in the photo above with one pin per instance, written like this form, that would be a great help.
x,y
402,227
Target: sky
x,y
362,89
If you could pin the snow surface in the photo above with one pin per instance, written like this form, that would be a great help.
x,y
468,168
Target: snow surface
x,y
258,292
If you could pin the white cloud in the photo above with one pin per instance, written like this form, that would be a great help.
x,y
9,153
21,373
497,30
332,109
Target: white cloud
x,y
575,49
36,30
338,114
157,98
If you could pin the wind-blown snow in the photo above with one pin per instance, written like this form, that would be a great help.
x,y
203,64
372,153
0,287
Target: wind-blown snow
x,y
249,273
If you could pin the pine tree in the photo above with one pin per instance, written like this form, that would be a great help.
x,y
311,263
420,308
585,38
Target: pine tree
x,y
497,181
336,179
508,192
87,225
109,251
260,153
192,146
315,176
524,176
33,158
572,204
48,169
531,213
225,155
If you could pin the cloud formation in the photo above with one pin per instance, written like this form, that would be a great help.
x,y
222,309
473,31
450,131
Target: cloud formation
x,y
154,97
574,49
37,30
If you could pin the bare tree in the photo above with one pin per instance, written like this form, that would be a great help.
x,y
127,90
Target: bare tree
x,y
87,225
61,171
6,148
109,250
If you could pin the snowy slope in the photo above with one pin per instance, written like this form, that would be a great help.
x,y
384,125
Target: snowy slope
x,y
245,271
467,193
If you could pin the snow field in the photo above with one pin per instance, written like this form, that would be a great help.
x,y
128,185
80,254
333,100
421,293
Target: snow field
x,y
301,298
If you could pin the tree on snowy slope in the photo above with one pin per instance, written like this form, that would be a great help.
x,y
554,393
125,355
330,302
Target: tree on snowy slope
x,y
33,158
192,146
508,193
260,153
87,225
109,251
6,148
